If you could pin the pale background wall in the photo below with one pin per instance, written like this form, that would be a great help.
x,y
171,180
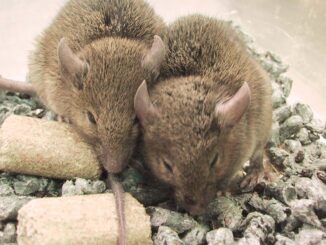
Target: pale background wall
x,y
295,29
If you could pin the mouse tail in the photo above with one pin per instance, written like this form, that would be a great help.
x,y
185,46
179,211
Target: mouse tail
x,y
119,203
17,87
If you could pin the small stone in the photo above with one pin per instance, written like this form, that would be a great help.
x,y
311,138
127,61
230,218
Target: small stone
x,y
196,236
275,136
22,109
9,233
282,191
221,236
278,156
309,236
303,136
6,190
274,208
282,113
304,111
82,186
312,189
26,185
286,85
166,236
228,211
290,127
54,188
299,157
9,206
322,176
292,145
98,186
303,210
176,221
256,228
277,98
283,240
69,189
43,183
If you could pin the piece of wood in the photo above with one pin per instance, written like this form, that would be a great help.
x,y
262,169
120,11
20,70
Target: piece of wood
x,y
45,148
90,219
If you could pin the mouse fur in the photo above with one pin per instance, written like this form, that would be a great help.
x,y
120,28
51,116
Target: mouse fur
x,y
210,112
106,42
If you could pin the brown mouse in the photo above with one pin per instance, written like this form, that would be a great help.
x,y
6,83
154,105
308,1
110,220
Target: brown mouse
x,y
87,67
210,112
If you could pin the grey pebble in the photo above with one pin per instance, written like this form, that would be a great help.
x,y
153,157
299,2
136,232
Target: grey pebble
x,y
286,84
167,236
6,189
26,186
196,236
304,111
303,136
290,127
292,145
275,135
9,233
278,156
282,113
309,236
283,240
9,206
256,228
221,236
303,210
277,98
176,221
82,186
228,211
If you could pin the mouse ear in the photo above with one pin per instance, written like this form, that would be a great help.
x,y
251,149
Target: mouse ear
x,y
154,58
145,110
230,112
72,68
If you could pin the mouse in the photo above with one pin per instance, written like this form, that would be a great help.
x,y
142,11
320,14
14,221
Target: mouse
x,y
87,66
210,112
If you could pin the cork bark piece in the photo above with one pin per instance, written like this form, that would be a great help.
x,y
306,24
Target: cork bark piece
x,y
45,148
90,219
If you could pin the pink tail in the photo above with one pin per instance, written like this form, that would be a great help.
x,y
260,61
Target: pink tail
x,y
119,203
15,86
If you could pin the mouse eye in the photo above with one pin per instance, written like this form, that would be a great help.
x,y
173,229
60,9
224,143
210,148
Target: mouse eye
x,y
91,117
168,166
213,162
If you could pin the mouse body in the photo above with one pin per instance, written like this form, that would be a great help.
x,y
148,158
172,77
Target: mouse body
x,y
209,113
87,66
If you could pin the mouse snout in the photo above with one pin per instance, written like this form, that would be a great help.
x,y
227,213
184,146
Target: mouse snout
x,y
114,165
195,206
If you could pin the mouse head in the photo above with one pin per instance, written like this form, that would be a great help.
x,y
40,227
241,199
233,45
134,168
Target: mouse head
x,y
183,128
100,83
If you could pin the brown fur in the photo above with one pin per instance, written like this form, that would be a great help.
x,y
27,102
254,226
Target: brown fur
x,y
206,65
112,36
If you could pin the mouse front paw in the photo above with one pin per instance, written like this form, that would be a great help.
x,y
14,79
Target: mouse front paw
x,y
253,177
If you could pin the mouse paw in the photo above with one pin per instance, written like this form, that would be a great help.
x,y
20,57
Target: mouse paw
x,y
254,177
